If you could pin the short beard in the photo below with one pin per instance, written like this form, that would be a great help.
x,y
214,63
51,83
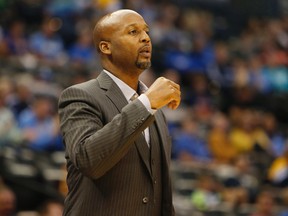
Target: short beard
x,y
143,65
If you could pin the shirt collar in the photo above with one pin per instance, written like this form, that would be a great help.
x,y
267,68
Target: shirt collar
x,y
127,91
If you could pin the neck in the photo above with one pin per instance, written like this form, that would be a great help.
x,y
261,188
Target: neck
x,y
131,81
130,77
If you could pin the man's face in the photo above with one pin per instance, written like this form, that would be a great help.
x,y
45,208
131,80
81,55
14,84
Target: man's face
x,y
130,42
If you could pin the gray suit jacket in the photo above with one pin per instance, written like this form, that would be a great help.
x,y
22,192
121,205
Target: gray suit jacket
x,y
107,172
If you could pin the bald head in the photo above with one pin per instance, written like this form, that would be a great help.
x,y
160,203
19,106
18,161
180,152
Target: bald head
x,y
108,24
123,42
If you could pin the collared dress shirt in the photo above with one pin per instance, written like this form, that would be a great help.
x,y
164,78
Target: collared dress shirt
x,y
129,93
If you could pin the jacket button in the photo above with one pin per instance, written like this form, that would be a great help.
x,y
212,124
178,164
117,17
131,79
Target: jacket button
x,y
145,200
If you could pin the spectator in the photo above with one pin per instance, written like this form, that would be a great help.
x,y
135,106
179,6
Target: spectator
x,y
257,77
9,134
189,145
51,208
284,203
82,51
245,134
16,39
250,138
221,71
277,138
240,182
218,140
278,171
4,50
7,201
206,195
275,61
265,205
46,44
21,97
39,126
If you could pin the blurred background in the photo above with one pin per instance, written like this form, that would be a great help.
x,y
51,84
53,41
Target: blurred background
x,y
230,134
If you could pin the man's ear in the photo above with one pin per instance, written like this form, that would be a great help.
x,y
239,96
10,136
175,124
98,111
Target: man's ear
x,y
104,47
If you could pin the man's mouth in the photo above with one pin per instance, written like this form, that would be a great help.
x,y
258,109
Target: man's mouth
x,y
145,51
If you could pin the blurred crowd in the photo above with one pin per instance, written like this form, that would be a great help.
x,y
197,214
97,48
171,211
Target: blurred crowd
x,y
231,128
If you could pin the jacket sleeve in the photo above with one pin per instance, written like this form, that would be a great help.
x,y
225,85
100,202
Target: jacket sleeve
x,y
93,146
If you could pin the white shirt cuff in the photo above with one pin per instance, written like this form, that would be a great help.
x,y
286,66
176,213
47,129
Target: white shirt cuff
x,y
145,101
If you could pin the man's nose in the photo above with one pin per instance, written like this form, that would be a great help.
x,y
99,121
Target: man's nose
x,y
145,37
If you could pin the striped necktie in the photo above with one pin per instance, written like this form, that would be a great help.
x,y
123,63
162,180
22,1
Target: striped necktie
x,y
135,96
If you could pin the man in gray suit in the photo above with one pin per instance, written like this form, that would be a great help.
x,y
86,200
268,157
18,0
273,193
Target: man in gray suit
x,y
117,145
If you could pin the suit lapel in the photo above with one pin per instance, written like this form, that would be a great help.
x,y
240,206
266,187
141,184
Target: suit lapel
x,y
116,96
113,92
144,152
161,128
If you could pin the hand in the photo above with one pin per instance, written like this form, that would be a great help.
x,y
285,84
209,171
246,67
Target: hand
x,y
164,92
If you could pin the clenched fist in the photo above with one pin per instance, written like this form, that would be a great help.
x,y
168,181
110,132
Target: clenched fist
x,y
164,92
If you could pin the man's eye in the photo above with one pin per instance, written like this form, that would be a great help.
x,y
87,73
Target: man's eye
x,y
133,32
